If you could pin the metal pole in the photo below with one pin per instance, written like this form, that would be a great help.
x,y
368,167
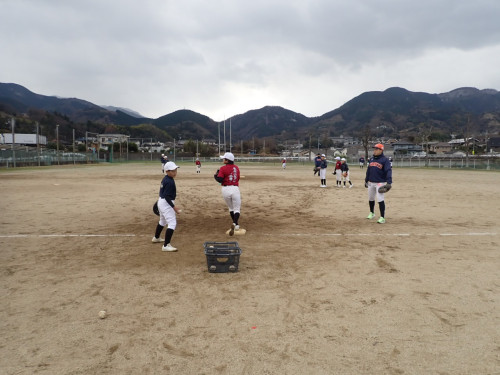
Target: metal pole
x,y
13,125
37,143
57,140
218,132
74,162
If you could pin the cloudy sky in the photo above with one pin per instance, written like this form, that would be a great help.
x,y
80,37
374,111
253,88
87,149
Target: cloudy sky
x,y
225,57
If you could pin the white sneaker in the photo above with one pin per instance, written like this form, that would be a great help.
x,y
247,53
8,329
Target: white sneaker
x,y
343,187
237,227
157,240
350,187
168,248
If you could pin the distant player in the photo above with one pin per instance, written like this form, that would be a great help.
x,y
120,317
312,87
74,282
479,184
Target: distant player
x,y
198,165
163,160
283,163
317,163
345,172
167,207
338,171
378,174
322,170
361,162
229,176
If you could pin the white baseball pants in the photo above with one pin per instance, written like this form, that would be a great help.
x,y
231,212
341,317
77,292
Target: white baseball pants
x,y
232,197
167,214
373,191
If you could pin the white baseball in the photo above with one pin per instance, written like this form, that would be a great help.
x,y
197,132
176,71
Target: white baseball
x,y
102,314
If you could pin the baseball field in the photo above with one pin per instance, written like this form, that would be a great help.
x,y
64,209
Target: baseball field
x,y
319,290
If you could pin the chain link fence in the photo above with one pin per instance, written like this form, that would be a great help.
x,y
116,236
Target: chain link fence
x,y
27,157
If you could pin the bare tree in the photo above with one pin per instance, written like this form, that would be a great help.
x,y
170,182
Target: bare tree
x,y
424,135
365,139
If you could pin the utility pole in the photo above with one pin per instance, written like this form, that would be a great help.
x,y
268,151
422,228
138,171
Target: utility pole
x,y
74,162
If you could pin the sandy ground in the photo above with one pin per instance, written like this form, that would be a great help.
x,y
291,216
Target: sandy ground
x,y
320,289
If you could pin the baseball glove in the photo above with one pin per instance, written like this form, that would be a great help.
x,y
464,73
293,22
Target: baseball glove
x,y
344,174
385,188
155,209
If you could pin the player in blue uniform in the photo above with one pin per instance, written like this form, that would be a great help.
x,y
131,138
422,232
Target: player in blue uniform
x,y
378,174
361,162
322,170
167,207
345,172
317,163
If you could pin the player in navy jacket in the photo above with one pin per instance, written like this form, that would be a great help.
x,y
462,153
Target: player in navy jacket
x,y
378,174
317,164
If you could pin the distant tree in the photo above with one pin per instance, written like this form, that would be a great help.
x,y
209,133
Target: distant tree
x,y
365,137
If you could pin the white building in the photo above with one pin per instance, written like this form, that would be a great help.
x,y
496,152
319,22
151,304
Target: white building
x,y
22,139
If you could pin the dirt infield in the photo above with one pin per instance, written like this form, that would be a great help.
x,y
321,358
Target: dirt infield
x,y
320,289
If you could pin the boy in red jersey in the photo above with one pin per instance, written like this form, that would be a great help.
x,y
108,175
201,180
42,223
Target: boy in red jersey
x,y
229,176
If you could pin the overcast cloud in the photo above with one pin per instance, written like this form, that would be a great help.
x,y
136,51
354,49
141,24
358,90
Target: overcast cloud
x,y
225,57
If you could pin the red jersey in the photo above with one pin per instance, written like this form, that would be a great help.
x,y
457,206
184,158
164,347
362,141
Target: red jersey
x,y
338,164
198,162
231,175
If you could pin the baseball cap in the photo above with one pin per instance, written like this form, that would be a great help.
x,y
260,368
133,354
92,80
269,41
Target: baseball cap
x,y
228,156
170,166
379,145
337,158
323,155
342,159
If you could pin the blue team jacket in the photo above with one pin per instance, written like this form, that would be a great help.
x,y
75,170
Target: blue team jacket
x,y
379,169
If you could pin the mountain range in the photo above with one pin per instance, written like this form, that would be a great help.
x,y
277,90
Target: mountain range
x,y
393,113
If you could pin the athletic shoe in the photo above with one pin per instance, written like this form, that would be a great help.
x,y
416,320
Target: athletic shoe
x,y
343,187
236,227
381,220
231,231
370,216
168,248
157,240
322,185
350,187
